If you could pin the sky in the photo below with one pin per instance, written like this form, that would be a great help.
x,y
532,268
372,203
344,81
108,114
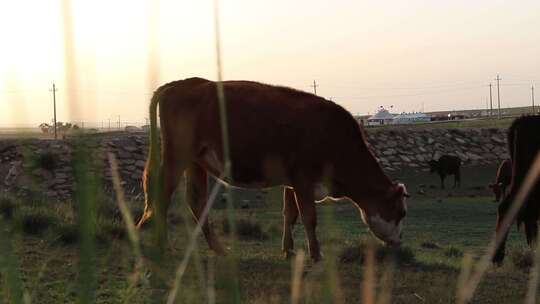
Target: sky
x,y
411,55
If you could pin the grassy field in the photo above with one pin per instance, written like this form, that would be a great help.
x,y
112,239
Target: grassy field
x,y
440,228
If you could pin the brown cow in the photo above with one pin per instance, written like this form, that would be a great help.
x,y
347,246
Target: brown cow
x,y
503,179
524,145
278,136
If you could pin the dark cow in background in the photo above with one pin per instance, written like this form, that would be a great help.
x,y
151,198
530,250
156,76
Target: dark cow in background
x,y
524,145
503,179
447,165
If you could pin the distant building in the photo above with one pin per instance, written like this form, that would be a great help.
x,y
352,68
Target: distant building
x,y
407,118
382,117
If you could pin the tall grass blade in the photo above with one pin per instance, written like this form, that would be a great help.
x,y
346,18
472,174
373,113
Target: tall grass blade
x,y
526,187
9,267
233,292
191,245
130,225
85,196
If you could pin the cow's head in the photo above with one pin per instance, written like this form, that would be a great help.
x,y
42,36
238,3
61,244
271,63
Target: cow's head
x,y
497,190
433,165
385,218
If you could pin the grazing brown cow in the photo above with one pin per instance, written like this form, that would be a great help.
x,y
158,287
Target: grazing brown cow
x,y
278,136
447,165
524,145
503,179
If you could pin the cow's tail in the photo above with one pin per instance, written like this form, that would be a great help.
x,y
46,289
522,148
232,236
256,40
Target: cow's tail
x,y
152,171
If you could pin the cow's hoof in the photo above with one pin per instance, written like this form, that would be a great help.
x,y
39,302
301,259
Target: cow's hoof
x,y
288,254
145,221
498,259
218,249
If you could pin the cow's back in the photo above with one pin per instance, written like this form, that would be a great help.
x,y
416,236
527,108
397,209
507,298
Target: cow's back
x,y
268,126
449,164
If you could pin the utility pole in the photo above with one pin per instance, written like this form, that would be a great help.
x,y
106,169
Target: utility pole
x,y
54,89
532,97
490,101
314,86
498,97
119,122
109,124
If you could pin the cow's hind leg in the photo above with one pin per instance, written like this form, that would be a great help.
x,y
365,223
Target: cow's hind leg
x,y
197,198
159,185
290,215
442,180
531,231
502,211
306,206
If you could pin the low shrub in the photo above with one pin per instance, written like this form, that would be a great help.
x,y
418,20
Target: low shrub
x,y
7,207
522,258
430,245
68,233
356,254
246,229
45,160
453,252
35,221
108,230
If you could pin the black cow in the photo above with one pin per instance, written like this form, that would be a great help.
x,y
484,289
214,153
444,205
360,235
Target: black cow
x,y
524,145
447,165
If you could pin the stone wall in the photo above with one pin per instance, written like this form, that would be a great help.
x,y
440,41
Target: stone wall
x,y
46,166
398,148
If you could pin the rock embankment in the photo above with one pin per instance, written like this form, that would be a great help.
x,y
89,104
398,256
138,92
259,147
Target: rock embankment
x,y
48,167
401,148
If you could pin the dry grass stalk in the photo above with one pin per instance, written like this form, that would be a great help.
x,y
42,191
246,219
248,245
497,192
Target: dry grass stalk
x,y
485,261
368,283
70,67
464,275
296,284
534,276
211,285
385,294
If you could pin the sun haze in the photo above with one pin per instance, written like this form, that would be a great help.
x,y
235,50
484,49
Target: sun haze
x,y
362,54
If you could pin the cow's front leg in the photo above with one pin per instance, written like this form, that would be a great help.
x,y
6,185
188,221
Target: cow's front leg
x,y
290,214
306,206
501,232
197,197
442,180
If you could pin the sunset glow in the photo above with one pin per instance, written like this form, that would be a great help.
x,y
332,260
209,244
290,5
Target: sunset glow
x,y
363,54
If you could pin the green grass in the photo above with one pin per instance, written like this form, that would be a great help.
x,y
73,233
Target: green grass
x,y
436,235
